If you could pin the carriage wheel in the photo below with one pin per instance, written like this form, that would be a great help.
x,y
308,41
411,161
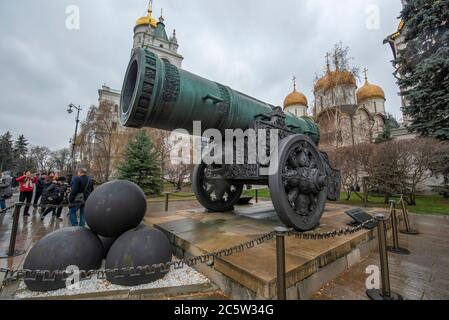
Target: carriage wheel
x,y
298,187
217,195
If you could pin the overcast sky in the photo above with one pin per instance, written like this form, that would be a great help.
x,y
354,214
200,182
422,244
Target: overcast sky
x,y
255,46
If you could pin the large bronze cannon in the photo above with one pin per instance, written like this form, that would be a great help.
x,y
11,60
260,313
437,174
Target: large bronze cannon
x,y
159,95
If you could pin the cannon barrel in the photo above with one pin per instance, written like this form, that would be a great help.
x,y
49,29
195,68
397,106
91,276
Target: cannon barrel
x,y
159,95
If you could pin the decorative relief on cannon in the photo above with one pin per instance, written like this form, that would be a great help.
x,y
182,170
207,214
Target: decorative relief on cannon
x,y
171,82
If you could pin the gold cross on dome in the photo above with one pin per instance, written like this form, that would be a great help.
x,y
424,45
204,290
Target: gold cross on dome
x,y
365,71
294,82
328,55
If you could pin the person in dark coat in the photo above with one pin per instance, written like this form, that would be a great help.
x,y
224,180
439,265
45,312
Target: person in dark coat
x,y
48,182
54,196
5,189
38,189
65,197
81,187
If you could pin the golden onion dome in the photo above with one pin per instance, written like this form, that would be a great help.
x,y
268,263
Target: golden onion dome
x,y
147,20
369,91
295,98
335,78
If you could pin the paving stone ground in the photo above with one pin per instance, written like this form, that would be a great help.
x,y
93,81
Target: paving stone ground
x,y
421,275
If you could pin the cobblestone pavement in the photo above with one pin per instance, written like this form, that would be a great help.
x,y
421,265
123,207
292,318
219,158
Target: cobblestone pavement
x,y
421,275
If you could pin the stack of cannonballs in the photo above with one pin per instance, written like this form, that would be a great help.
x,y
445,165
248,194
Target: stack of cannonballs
x,y
114,214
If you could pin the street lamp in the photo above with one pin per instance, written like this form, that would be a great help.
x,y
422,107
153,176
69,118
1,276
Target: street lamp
x,y
70,111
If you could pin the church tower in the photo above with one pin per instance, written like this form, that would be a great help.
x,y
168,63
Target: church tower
x,y
296,102
371,97
336,88
150,33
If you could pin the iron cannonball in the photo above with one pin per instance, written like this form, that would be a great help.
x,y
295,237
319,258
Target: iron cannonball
x,y
139,247
107,244
74,246
115,207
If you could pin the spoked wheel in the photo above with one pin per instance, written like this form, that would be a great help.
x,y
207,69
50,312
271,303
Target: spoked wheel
x,y
217,195
298,187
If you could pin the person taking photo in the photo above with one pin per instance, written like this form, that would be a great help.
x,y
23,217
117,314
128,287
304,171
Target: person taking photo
x,y
27,182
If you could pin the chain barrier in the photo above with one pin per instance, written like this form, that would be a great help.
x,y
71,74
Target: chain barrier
x,y
7,209
177,195
47,275
331,234
38,206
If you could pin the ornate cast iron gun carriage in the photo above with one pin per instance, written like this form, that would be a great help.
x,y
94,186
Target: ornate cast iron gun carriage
x,y
157,94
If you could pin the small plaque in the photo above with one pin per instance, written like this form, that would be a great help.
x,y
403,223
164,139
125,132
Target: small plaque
x,y
361,217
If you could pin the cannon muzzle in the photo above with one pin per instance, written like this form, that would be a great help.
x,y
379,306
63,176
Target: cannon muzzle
x,y
159,95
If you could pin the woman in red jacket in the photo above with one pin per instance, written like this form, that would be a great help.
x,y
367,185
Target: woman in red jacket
x,y
27,184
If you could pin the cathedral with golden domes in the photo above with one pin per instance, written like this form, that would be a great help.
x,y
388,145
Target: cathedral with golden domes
x,y
347,115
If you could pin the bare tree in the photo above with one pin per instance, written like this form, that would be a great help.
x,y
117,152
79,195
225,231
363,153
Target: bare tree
x,y
440,167
160,139
395,167
98,133
61,159
342,60
345,159
417,156
42,157
178,174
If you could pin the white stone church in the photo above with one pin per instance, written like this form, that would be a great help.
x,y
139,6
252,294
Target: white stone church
x,y
347,115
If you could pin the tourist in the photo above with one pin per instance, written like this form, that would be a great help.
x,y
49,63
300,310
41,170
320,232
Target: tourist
x,y
49,178
40,186
53,197
65,200
5,189
81,188
27,182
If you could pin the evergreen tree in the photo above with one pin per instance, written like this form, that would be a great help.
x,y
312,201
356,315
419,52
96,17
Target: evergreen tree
x,y
424,67
140,164
20,154
390,123
21,146
6,152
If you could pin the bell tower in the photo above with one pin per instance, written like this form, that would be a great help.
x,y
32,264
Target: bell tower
x,y
151,34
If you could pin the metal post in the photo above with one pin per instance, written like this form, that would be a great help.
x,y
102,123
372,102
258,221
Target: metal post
x,y
365,192
394,225
394,229
385,292
166,201
70,110
12,252
408,228
257,196
280,262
